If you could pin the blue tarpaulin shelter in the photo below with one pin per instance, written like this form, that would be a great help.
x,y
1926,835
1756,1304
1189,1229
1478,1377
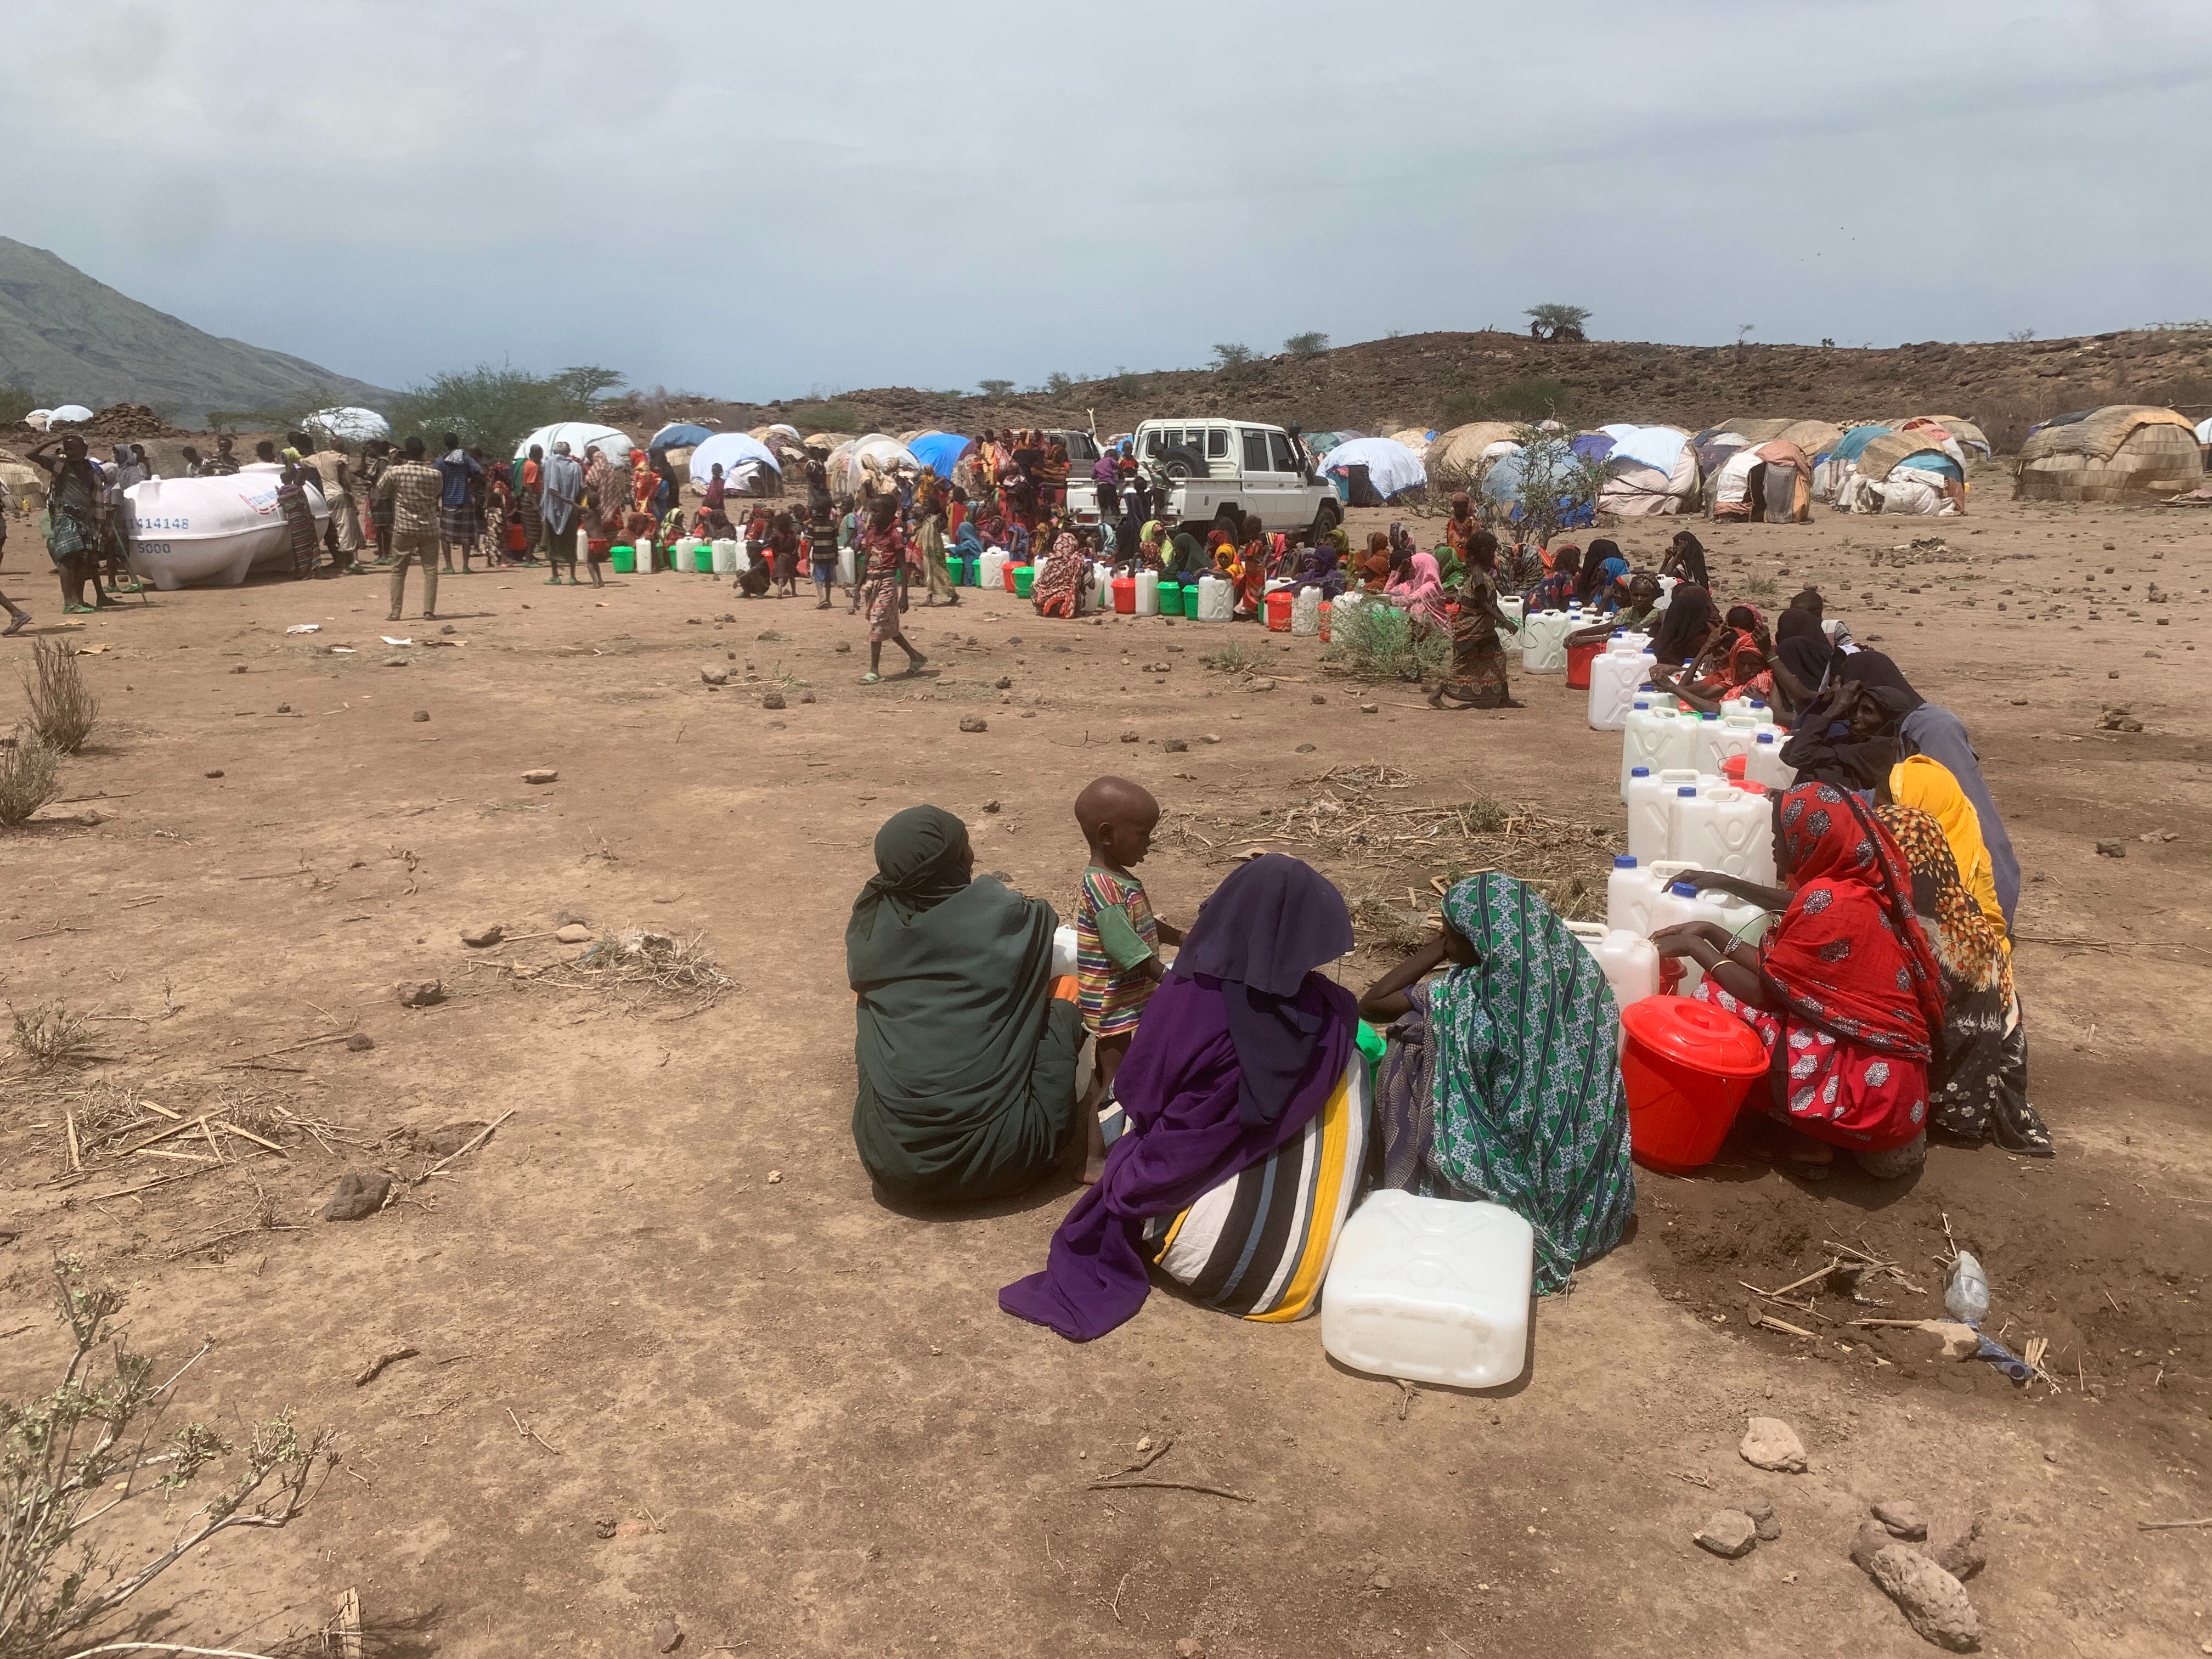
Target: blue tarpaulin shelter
x,y
940,452
679,434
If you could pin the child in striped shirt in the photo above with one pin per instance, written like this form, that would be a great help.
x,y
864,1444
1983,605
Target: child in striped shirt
x,y
1117,937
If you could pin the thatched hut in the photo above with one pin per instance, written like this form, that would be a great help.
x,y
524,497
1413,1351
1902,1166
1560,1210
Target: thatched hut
x,y
1454,458
2120,452
1970,437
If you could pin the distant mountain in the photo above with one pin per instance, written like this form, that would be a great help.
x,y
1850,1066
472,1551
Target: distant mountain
x,y
64,335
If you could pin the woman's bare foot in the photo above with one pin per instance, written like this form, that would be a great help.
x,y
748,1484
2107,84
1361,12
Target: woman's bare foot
x,y
1093,1169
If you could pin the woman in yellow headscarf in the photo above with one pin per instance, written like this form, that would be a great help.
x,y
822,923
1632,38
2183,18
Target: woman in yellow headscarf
x,y
1928,785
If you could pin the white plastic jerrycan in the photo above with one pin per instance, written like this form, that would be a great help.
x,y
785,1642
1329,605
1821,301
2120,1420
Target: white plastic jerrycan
x,y
1214,601
1432,1290
1614,674
1719,740
1148,593
1651,810
1305,612
1727,831
1657,739
1628,958
1764,766
990,569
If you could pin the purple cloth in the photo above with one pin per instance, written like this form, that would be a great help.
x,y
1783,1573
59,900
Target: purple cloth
x,y
1179,1085
1273,922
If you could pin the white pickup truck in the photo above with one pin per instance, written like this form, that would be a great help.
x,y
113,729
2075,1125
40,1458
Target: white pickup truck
x,y
1212,466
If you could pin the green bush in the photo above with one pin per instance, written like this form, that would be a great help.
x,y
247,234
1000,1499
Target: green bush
x,y
493,406
810,418
1375,641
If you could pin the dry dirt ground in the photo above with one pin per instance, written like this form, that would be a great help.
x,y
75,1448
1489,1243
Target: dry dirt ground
x,y
811,1427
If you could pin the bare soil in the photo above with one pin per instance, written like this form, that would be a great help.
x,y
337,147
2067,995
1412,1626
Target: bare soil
x,y
797,1413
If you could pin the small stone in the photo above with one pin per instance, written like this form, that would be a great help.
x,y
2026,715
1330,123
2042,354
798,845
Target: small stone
x,y
1903,1517
478,935
216,774
1370,707
844,647
283,707
358,1193
773,700
1932,1603
541,775
445,1140
974,723
715,676
574,933
1128,736
240,669
1728,1533
2113,849
632,1528
806,696
1771,1443
775,1177
1305,748
2111,673
1189,1647
1004,683
691,621
1176,745
1762,1517
1260,685
1954,1543
728,615
389,662
990,806
766,633
667,1636
360,1042
1215,737
419,992
1869,1542
1318,697
1381,1581
776,726
449,629
420,716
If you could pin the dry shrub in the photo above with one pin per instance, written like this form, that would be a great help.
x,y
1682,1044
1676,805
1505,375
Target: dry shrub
x,y
30,776
48,1035
1376,642
63,711
660,965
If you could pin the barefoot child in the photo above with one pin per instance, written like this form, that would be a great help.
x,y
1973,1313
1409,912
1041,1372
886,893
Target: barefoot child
x,y
1116,936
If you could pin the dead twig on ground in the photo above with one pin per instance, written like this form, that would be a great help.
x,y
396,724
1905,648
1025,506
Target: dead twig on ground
x,y
529,1433
1174,1485
1144,1462
374,1369
475,1141
2171,1525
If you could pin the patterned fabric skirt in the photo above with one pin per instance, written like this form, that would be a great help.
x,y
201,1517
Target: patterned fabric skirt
x,y
381,510
533,521
306,541
1833,1091
463,523
879,598
1980,1091
1477,677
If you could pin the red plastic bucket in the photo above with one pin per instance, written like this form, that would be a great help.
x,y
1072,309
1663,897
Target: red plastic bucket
x,y
1325,608
1008,573
1125,596
1279,611
1579,658
1687,1070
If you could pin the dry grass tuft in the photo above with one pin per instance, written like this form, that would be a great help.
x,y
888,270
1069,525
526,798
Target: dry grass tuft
x,y
49,1035
640,959
30,776
63,711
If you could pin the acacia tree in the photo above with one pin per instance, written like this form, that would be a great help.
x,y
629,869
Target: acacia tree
x,y
1557,322
1306,344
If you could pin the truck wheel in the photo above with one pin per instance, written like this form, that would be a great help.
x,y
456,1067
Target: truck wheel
x,y
1327,517
1183,462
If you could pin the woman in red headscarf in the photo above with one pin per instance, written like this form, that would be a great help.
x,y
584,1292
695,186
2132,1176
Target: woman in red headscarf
x,y
1846,992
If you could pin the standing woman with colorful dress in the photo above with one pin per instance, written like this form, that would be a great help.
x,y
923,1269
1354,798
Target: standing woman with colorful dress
x,y
883,569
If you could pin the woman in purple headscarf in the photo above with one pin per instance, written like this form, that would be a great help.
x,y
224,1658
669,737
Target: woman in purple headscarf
x,y
1240,1050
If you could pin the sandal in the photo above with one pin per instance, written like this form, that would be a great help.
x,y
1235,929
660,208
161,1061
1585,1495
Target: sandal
x,y
871,677
22,620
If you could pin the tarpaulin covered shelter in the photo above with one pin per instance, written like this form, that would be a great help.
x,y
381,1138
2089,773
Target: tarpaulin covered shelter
x,y
940,452
1921,472
1770,482
1652,469
1455,459
1511,478
579,435
1413,437
746,462
680,435
67,414
1391,467
2118,452
849,465
1970,437
354,425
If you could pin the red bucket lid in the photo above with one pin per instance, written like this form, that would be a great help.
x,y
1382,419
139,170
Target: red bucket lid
x,y
1697,1035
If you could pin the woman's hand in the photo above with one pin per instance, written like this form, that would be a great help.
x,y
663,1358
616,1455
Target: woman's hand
x,y
1695,940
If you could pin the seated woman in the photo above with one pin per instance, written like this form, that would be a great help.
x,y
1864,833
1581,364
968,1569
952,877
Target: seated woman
x,y
1317,567
1062,579
966,1047
1733,662
1373,567
1501,1079
1604,575
1639,614
1557,591
1416,587
1845,992
1684,561
1245,1097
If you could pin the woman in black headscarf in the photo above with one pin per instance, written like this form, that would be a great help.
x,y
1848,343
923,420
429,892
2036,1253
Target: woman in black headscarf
x,y
966,1053
1686,560
1685,627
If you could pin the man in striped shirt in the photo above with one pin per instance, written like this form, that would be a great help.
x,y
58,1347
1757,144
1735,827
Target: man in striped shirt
x,y
411,486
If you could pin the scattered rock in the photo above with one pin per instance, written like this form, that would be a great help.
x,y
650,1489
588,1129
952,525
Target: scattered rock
x,y
1189,1647
541,775
1128,736
1370,707
715,676
477,935
2113,849
449,629
776,726
240,669
1762,1517
1903,1518
1318,697
389,662
773,700
1869,1542
765,633
1004,683
667,1636
2119,720
1954,1543
1305,748
448,1138
632,1528
1772,1444
360,1042
606,1527
990,806
2155,836
358,1194
283,707
1176,745
1260,685
844,647
422,714
216,774
573,933
419,992
1215,737
806,696
1932,1603
728,615
775,1177
1728,1533
974,723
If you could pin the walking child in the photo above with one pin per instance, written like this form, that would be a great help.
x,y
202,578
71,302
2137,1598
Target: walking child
x,y
1117,937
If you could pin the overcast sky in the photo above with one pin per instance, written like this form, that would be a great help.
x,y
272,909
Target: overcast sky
x,y
758,200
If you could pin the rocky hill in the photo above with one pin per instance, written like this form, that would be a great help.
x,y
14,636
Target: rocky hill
x,y
63,335
1438,379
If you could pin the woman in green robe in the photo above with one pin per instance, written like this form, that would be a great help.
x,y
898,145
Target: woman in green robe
x,y
966,1057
